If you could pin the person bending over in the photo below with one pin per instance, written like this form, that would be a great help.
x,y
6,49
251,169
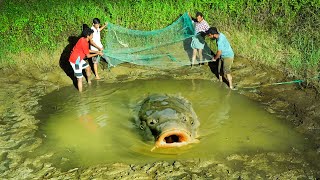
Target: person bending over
x,y
78,53
224,51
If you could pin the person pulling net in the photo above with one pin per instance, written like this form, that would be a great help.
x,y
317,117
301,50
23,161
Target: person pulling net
x,y
163,48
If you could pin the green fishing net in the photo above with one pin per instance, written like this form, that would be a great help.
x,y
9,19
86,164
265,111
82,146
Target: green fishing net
x,y
163,48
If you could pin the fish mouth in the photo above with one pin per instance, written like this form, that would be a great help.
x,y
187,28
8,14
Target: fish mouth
x,y
173,138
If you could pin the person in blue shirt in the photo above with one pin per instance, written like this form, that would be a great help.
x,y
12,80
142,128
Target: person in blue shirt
x,y
224,51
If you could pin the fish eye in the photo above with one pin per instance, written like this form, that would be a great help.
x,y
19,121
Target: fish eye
x,y
141,127
191,121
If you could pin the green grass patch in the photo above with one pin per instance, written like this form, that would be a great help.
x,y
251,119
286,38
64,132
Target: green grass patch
x,y
279,33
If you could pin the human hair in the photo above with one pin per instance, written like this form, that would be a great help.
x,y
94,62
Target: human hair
x,y
86,32
199,14
96,21
212,30
84,26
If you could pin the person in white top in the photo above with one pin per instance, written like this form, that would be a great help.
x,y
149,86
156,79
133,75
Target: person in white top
x,y
95,44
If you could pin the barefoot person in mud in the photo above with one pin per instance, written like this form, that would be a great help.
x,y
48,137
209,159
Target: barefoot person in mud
x,y
225,52
78,53
197,43
95,44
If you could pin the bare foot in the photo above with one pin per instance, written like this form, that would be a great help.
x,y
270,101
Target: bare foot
x,y
89,82
98,78
233,88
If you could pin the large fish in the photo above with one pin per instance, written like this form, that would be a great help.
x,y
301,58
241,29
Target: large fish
x,y
168,120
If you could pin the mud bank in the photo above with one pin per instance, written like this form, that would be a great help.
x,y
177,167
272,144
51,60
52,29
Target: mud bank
x,y
21,92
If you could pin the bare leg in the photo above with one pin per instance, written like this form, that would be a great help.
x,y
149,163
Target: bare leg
x,y
200,56
88,72
194,56
219,69
229,77
79,84
95,68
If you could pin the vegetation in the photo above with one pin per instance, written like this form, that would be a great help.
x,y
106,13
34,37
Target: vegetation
x,y
278,33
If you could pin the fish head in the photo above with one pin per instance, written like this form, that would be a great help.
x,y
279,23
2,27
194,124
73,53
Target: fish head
x,y
170,120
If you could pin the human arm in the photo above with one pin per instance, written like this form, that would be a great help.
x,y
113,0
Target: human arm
x,y
95,45
192,19
189,15
89,53
96,53
218,54
93,51
105,25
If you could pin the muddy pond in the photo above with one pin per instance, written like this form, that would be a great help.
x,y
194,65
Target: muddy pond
x,y
97,126
49,130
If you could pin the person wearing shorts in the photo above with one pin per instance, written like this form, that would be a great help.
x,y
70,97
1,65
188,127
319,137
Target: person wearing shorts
x,y
78,53
224,52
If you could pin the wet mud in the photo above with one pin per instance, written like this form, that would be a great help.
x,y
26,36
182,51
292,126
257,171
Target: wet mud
x,y
295,103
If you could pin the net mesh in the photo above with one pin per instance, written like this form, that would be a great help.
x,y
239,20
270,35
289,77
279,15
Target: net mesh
x,y
164,48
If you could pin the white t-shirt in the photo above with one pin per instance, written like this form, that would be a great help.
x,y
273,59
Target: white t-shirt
x,y
96,39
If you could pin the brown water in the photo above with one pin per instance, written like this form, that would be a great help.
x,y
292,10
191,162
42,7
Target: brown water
x,y
97,126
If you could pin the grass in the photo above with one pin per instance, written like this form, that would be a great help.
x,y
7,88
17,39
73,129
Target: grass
x,y
280,33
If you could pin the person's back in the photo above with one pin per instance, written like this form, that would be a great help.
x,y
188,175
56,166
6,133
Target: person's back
x,y
79,50
224,45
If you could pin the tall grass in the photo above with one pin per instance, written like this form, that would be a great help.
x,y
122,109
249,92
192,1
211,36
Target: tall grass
x,y
279,33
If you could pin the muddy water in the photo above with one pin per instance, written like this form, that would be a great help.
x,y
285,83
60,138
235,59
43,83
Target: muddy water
x,y
98,125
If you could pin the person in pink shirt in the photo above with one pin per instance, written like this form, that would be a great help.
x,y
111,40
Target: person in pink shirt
x,y
197,44
79,52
